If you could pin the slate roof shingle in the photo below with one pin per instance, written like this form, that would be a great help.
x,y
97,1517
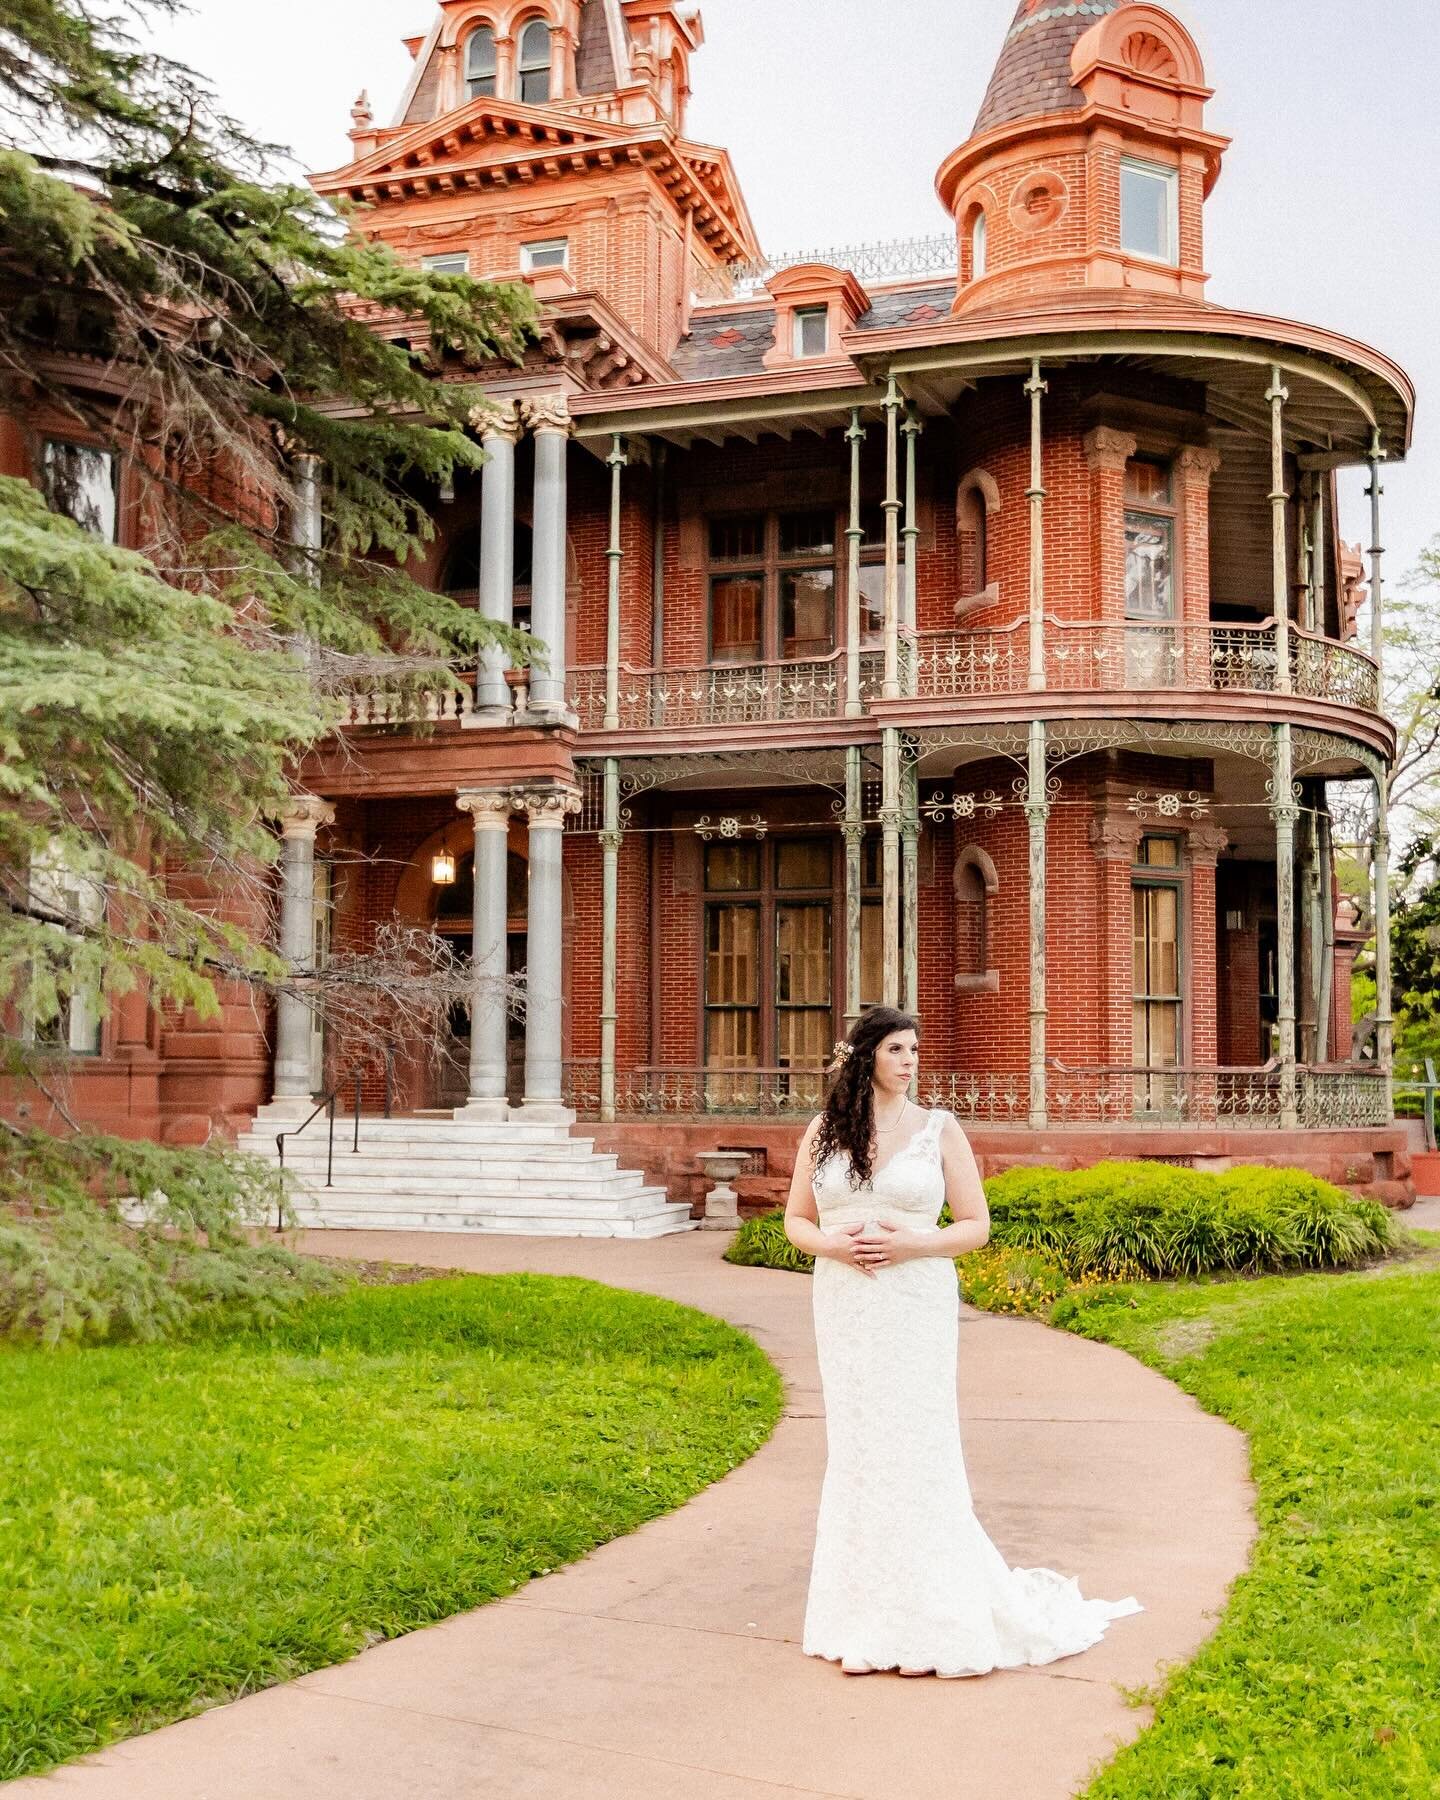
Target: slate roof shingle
x,y
1033,73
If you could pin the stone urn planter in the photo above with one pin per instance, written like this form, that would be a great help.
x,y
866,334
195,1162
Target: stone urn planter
x,y
722,1203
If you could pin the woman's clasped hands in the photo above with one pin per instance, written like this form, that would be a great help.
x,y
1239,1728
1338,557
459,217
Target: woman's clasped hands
x,y
874,1246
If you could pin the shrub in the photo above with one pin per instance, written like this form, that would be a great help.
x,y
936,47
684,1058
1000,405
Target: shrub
x,y
71,1268
1121,1222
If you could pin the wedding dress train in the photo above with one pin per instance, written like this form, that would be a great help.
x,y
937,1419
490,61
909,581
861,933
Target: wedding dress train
x,y
903,1574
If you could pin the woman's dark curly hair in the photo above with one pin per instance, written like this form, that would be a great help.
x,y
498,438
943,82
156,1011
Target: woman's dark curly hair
x,y
848,1120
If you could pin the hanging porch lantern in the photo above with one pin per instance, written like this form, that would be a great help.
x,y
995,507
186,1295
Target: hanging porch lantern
x,y
442,867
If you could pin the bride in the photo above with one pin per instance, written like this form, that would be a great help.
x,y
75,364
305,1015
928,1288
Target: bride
x,y
903,1575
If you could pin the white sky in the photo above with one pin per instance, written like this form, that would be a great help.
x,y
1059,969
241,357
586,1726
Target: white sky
x,y
838,112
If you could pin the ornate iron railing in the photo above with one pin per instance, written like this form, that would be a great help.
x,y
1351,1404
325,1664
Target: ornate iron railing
x,y
943,664
1334,1098
1088,655
723,694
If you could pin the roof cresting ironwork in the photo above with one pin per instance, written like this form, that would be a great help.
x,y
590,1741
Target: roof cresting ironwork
x,y
882,259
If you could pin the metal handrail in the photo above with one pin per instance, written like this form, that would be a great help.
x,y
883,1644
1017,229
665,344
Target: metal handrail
x,y
327,1106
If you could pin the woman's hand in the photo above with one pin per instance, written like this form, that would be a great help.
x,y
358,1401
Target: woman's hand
x,y
887,1244
843,1246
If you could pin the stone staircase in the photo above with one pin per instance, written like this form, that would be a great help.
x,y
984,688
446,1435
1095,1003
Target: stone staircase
x,y
440,1173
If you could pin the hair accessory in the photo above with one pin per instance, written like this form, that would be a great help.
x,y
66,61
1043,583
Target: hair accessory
x,y
841,1054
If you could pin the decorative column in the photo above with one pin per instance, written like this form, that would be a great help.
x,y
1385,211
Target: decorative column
x,y
1325,1007
294,1092
910,887
1115,833
504,66
549,420
1384,1009
1377,555
306,522
1285,811
614,557
499,432
1195,469
1037,814
854,534
1205,843
547,808
1277,394
611,836
1310,949
1317,550
489,810
891,684
891,819
1036,389
854,829
908,610
1107,452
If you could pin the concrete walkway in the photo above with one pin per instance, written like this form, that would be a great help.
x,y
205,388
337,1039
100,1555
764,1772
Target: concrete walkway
x,y
666,1665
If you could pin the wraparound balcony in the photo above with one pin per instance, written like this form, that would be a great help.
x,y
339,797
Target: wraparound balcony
x,y
1089,657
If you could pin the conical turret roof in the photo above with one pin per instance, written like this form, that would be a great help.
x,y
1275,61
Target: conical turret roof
x,y
1033,74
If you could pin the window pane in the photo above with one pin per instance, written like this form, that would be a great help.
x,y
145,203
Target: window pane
x,y
1149,567
970,922
79,481
807,612
872,604
732,868
737,540
812,332
1160,852
535,63
549,253
1146,209
737,605
480,62
872,953
802,954
1147,482
1157,942
732,963
803,863
978,236
872,523
807,534
803,1039
451,262
732,1041
870,860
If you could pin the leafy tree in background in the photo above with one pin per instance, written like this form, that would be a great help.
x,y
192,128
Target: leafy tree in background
x,y
164,293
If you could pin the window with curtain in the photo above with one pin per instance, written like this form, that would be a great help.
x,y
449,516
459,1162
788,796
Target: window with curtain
x,y
534,64
772,580
480,63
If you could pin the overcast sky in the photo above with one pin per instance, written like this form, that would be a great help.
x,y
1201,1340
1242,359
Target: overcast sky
x,y
838,112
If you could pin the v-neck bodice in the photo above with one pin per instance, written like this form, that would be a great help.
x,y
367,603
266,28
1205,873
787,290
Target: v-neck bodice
x,y
908,1189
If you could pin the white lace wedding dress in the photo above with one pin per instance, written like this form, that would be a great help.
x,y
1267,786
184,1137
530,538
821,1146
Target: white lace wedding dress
x,y
903,1575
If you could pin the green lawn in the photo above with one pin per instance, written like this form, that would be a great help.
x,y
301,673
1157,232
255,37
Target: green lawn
x,y
181,1523
1323,1680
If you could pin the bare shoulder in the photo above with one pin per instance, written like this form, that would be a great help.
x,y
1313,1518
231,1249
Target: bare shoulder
x,y
812,1131
952,1134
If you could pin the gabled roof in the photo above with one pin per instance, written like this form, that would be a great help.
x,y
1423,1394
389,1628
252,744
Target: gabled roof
x,y
1032,76
488,144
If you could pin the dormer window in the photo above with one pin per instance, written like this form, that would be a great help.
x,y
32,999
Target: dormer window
x,y
535,63
480,65
1149,211
545,253
978,234
811,331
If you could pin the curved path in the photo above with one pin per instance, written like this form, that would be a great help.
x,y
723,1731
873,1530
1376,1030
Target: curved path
x,y
666,1665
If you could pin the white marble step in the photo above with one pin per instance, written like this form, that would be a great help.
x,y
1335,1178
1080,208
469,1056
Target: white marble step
x,y
531,1206
419,1131
578,1183
558,1157
675,1217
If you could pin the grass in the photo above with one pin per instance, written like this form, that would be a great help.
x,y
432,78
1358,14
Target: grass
x,y
1322,1679
183,1522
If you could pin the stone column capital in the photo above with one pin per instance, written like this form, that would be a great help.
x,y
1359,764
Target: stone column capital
x,y
496,419
1197,463
1206,843
489,808
303,815
1108,449
548,808
548,412
1115,837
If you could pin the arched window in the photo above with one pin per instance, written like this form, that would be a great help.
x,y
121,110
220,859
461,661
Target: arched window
x,y
480,62
977,502
976,885
979,233
535,63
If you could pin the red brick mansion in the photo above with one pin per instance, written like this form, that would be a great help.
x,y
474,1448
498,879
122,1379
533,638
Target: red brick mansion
x,y
968,629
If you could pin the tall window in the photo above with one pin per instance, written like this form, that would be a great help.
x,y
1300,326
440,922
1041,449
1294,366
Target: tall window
x,y
535,63
460,576
769,961
72,1016
1149,539
480,63
811,331
974,524
1149,210
80,481
1155,902
772,579
979,234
